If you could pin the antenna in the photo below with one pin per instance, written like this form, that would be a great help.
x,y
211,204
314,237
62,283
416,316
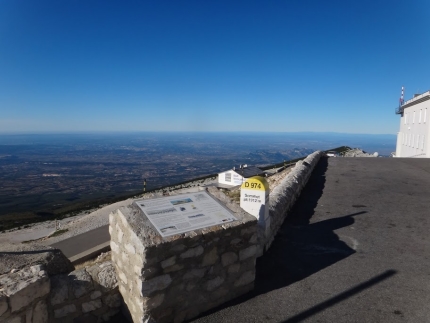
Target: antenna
x,y
401,100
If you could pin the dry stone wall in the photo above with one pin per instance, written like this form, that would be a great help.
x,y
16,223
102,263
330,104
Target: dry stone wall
x,y
31,296
24,294
89,293
175,278
283,197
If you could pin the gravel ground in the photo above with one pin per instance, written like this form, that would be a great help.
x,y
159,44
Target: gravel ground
x,y
93,219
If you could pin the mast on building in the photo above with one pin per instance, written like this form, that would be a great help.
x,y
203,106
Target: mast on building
x,y
399,110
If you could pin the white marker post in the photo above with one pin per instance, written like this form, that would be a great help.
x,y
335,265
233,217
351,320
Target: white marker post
x,y
254,199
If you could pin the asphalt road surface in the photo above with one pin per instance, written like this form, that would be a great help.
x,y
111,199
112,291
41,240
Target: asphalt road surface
x,y
355,248
82,242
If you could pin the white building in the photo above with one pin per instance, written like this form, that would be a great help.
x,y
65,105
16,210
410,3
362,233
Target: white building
x,y
237,175
413,137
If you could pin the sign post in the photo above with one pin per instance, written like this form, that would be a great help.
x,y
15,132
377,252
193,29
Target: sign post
x,y
254,198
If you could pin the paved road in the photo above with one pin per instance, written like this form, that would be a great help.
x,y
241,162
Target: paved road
x,y
82,242
356,248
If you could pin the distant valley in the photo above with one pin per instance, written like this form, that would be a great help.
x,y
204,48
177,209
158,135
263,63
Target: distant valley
x,y
45,176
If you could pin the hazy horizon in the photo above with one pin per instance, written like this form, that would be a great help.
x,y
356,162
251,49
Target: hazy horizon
x,y
383,143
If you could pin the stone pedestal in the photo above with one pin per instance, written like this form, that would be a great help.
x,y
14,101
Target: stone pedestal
x,y
175,278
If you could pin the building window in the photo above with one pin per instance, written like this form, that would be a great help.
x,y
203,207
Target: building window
x,y
418,142
409,139
421,111
412,143
425,115
228,177
413,118
406,117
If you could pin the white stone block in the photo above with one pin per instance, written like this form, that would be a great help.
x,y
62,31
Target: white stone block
x,y
123,277
130,249
107,277
119,233
114,247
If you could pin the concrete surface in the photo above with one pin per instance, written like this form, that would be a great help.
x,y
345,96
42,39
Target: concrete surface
x,y
83,242
356,248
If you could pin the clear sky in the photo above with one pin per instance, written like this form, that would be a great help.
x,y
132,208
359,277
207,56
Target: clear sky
x,y
291,65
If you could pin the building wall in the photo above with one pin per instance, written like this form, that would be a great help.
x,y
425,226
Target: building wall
x,y
413,137
235,178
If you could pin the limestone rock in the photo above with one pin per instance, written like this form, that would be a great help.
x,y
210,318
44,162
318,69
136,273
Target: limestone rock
x,y
228,258
64,311
192,252
154,284
210,258
21,256
214,283
113,300
246,278
23,286
107,277
91,306
168,262
248,252
59,289
80,282
195,273
3,304
96,294
40,313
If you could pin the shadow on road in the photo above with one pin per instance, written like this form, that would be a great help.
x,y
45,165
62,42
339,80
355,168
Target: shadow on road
x,y
340,297
300,249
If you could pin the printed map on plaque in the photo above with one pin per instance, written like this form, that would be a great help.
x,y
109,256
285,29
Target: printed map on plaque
x,y
185,212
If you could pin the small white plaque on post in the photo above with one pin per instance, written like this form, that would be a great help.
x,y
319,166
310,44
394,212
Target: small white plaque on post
x,y
254,197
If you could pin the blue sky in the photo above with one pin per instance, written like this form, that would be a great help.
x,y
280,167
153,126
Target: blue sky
x,y
292,65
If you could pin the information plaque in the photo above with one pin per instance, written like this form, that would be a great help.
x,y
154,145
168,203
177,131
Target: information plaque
x,y
185,212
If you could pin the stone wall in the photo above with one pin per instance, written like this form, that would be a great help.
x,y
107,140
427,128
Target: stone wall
x,y
90,294
283,197
31,296
24,295
175,278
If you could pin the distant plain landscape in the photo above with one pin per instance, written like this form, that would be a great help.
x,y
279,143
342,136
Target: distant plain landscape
x,y
44,176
